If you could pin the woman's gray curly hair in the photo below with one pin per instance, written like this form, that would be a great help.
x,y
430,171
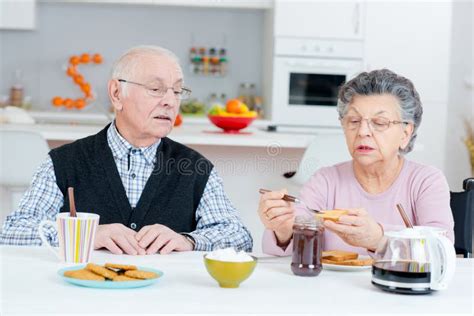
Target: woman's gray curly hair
x,y
384,81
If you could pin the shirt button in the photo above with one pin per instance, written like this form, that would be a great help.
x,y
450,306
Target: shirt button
x,y
133,225
133,176
134,151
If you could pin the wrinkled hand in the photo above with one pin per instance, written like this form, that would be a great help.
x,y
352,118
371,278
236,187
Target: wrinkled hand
x,y
357,229
277,215
158,237
118,239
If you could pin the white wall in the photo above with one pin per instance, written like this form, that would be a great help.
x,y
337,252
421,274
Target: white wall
x,y
461,98
247,169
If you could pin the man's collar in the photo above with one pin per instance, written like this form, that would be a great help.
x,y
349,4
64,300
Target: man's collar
x,y
121,147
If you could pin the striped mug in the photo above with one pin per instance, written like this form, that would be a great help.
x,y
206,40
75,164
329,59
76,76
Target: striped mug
x,y
75,234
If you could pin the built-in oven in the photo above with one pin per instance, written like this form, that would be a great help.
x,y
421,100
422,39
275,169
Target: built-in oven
x,y
307,75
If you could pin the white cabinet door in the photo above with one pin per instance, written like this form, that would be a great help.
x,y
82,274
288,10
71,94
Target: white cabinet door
x,y
413,39
319,19
17,14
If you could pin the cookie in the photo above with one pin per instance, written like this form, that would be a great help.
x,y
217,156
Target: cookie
x,y
119,278
139,274
100,270
120,266
83,274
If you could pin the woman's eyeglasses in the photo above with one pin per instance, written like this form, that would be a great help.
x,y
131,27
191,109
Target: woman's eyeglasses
x,y
378,124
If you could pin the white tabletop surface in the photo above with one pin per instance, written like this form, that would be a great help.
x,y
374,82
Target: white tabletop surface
x,y
30,285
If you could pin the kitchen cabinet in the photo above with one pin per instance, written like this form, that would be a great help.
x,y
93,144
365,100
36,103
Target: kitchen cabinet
x,y
319,19
17,15
413,40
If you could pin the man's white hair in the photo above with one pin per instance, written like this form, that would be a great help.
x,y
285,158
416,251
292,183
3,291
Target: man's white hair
x,y
125,66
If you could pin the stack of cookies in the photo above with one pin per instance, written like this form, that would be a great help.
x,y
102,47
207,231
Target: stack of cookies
x,y
110,272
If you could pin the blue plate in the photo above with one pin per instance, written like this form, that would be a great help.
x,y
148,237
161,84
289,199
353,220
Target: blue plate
x,y
110,284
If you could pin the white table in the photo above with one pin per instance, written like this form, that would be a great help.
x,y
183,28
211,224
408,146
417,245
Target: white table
x,y
30,285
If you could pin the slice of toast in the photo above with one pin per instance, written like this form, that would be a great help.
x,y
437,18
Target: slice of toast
x,y
354,262
339,255
332,215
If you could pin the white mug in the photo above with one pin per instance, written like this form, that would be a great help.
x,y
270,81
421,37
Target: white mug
x,y
76,236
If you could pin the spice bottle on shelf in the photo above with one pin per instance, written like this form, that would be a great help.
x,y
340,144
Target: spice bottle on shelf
x,y
16,91
202,56
243,92
214,61
194,60
223,98
223,61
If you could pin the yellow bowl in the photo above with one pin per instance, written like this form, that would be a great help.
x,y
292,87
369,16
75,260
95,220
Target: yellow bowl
x,y
229,274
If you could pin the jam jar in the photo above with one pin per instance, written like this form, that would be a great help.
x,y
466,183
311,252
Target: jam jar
x,y
307,243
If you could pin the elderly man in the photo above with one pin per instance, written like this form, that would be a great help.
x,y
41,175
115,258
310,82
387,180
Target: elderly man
x,y
152,194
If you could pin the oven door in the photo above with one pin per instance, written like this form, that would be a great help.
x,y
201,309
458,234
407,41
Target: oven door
x,y
305,89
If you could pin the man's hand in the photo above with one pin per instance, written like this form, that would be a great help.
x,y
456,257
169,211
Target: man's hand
x,y
118,239
158,237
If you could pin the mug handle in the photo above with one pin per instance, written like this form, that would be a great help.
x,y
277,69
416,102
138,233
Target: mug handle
x,y
43,237
448,262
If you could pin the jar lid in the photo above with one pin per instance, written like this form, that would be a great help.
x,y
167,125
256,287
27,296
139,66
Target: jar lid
x,y
310,222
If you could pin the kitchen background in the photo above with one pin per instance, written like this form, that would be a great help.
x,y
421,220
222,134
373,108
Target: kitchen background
x,y
66,29
430,42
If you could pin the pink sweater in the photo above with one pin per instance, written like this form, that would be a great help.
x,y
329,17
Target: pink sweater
x,y
422,190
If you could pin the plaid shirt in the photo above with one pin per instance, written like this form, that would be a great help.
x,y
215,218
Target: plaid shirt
x,y
218,225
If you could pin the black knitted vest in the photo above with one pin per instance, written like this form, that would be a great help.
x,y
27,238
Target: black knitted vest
x,y
170,197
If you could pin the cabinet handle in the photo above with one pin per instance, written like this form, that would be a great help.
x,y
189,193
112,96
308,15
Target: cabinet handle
x,y
356,19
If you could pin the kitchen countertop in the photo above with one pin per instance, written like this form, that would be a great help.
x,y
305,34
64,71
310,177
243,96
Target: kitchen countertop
x,y
189,134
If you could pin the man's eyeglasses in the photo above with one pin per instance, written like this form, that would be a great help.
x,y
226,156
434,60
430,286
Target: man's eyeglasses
x,y
159,91
378,124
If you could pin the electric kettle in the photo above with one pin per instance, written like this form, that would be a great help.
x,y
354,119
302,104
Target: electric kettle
x,y
414,260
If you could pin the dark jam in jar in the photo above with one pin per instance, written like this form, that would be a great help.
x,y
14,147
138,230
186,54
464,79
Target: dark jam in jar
x,y
307,243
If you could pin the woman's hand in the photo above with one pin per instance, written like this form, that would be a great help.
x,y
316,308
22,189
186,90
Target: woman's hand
x,y
357,229
277,215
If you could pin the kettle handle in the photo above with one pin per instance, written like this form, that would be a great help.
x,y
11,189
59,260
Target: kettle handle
x,y
447,263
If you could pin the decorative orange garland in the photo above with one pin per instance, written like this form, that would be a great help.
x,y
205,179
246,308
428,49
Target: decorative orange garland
x,y
72,72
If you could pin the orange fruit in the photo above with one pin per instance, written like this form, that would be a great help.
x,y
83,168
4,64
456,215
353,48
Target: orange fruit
x,y
80,103
85,87
179,120
57,101
97,58
71,71
85,58
68,103
74,60
233,106
79,79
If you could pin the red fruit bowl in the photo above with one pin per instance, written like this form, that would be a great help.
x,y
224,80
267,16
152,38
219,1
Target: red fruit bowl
x,y
231,124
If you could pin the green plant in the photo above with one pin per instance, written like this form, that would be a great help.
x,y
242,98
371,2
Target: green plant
x,y
469,141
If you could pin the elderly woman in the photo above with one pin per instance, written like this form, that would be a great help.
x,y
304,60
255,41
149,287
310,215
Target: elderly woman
x,y
380,113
